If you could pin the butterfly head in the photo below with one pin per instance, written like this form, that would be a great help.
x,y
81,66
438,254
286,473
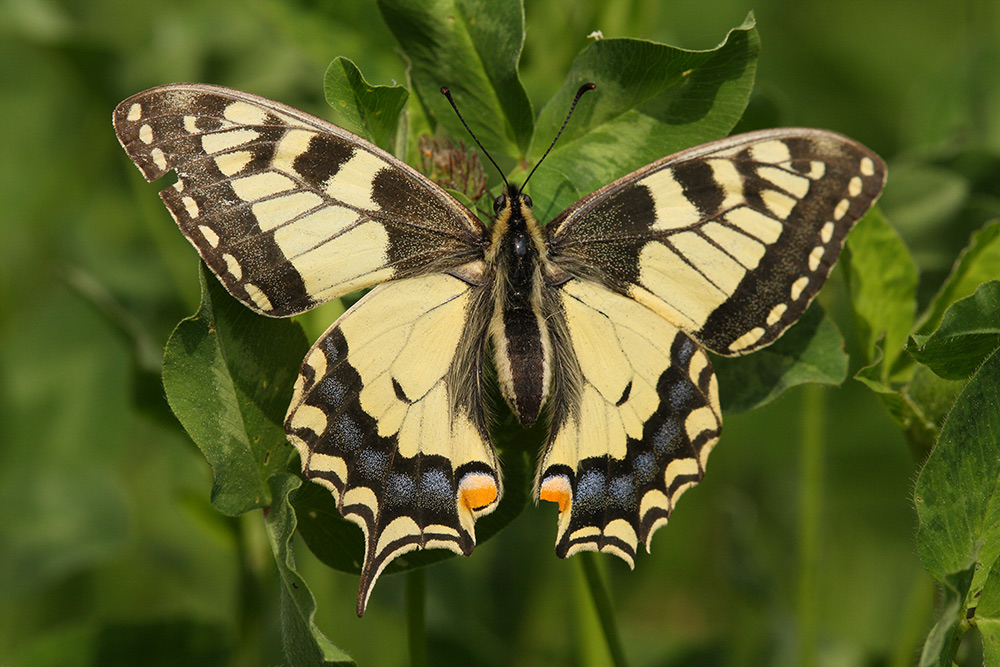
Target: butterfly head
x,y
512,199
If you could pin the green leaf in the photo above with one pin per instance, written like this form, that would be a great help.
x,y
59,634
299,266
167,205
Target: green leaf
x,y
304,643
811,351
472,47
372,112
228,375
987,618
969,332
339,543
651,100
979,262
882,280
943,639
957,495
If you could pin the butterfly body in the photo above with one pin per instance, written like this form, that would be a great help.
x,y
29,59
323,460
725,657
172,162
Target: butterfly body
x,y
599,318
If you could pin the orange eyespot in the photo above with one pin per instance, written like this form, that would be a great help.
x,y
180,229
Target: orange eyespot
x,y
556,489
476,491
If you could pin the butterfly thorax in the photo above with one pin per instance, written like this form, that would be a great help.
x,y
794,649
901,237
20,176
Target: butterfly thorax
x,y
518,330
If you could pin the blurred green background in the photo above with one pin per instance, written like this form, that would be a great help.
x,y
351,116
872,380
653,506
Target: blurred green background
x,y
110,552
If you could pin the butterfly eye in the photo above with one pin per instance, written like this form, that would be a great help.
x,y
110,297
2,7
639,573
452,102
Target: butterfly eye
x,y
527,201
499,203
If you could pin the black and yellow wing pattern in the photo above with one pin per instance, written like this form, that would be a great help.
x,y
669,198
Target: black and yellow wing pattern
x,y
722,246
602,317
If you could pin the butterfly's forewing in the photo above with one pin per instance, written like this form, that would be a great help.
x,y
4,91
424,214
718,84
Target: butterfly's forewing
x,y
723,245
631,427
289,210
730,240
387,414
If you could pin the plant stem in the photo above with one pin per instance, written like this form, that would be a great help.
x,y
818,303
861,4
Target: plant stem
x,y
416,630
810,503
602,603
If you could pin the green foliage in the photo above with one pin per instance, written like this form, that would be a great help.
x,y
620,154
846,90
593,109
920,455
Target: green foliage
x,y
114,551
372,112
228,377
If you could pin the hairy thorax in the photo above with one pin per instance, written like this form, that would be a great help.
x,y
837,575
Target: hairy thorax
x,y
518,329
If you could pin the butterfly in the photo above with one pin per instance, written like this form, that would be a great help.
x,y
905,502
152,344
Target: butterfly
x,y
597,321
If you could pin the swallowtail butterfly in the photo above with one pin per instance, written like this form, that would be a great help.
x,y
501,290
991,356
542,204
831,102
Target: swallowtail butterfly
x,y
601,317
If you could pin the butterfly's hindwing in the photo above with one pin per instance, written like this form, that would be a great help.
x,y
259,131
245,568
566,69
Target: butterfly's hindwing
x,y
384,415
635,416
287,209
730,240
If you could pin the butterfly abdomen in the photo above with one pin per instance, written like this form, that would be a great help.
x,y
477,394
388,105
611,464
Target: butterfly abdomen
x,y
521,341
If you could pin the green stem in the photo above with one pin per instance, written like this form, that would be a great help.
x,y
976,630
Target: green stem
x,y
416,631
810,502
602,603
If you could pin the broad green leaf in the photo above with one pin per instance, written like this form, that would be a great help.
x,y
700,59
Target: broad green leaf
x,y
987,617
304,643
228,375
651,100
882,280
811,351
372,112
957,494
472,47
979,262
969,332
943,639
339,543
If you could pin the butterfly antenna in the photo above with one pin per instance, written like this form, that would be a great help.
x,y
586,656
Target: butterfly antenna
x,y
447,93
579,93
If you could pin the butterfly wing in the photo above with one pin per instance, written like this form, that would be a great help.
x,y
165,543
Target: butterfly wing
x,y
633,422
723,245
730,240
289,210
387,413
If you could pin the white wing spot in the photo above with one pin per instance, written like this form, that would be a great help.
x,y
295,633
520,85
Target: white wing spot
x,y
747,339
191,206
755,223
221,141
134,112
867,166
233,266
259,186
827,232
815,257
771,151
210,235
159,159
245,114
146,134
352,184
816,170
854,186
790,182
233,163
671,207
778,203
775,314
191,124
841,209
798,286
258,297
179,186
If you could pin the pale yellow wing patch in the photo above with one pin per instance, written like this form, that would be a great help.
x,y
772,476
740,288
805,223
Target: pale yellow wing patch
x,y
382,417
639,435
286,209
